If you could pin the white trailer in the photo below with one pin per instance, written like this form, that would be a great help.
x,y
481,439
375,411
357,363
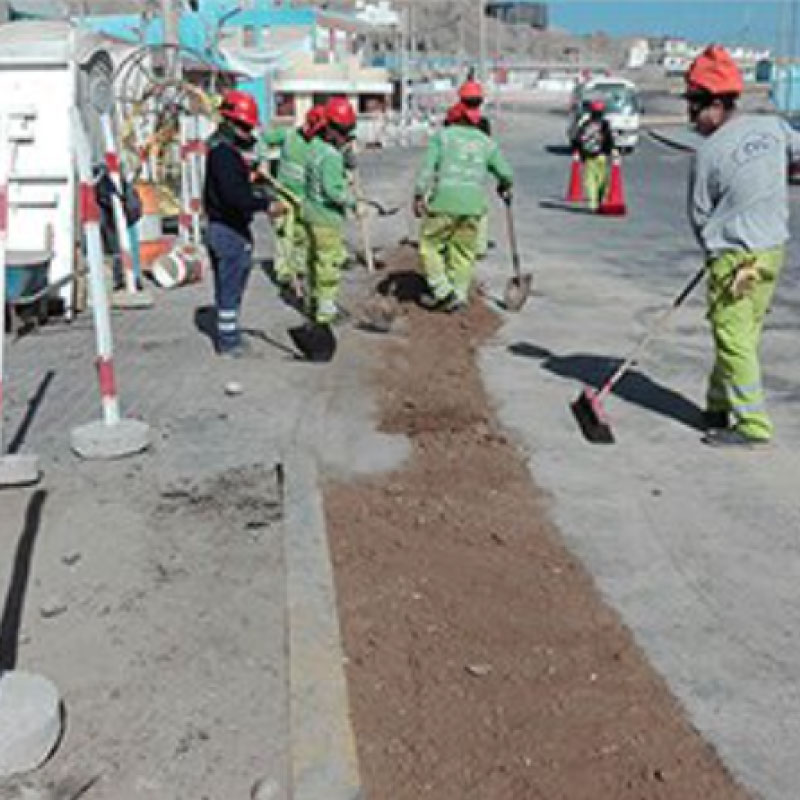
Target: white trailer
x,y
46,69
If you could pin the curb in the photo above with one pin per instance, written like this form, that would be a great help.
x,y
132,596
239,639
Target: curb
x,y
322,751
665,139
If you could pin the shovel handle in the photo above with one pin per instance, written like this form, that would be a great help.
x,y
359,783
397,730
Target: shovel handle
x,y
512,240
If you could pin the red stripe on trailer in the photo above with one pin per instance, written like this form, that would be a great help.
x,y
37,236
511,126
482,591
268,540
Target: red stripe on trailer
x,y
105,377
4,208
87,200
112,162
195,205
184,220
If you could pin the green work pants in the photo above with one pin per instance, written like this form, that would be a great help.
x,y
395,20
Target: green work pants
x,y
327,256
595,179
291,245
448,247
735,381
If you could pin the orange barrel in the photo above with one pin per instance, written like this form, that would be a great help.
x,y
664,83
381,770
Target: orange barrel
x,y
184,264
152,242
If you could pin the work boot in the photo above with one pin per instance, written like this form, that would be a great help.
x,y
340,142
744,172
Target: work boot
x,y
733,439
716,420
454,305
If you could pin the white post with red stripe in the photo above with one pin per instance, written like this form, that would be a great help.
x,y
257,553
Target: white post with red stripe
x,y
190,150
15,470
113,436
136,298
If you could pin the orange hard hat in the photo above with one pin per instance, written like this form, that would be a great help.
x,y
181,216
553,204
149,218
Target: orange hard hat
x,y
470,90
315,121
340,113
240,107
714,72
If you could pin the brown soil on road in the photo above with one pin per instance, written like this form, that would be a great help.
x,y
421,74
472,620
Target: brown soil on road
x,y
482,663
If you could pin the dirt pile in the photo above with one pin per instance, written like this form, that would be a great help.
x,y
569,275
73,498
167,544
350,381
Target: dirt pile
x,y
481,661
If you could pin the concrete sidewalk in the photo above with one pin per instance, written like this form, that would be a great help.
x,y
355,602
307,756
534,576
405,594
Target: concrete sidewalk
x,y
182,600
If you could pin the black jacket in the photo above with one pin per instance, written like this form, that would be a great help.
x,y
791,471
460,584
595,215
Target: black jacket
x,y
228,194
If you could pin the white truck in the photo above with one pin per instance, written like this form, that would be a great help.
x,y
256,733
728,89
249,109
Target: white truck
x,y
623,108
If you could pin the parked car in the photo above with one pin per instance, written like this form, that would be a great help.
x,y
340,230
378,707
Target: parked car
x,y
623,108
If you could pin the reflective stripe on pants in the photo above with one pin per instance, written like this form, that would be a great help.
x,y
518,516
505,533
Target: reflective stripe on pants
x,y
231,260
736,324
448,247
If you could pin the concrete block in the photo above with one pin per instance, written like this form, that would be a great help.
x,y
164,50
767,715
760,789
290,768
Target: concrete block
x,y
100,441
30,721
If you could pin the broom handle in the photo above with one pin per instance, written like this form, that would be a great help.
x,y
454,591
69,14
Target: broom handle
x,y
512,240
655,329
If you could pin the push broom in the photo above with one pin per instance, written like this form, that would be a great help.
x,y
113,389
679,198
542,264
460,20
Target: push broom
x,y
588,408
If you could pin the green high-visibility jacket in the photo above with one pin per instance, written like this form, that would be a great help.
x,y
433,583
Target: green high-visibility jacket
x,y
294,155
454,171
327,195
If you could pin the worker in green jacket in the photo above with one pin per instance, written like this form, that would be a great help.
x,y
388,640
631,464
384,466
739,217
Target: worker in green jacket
x,y
291,240
450,194
327,200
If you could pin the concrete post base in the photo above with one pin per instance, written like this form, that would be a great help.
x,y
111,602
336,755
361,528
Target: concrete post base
x,y
98,441
30,721
123,299
17,470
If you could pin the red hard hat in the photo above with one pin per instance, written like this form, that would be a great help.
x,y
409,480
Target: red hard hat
x,y
240,107
462,113
339,112
315,120
597,105
470,90
714,72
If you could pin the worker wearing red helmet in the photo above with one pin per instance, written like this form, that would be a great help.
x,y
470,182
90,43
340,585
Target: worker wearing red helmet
x,y
450,194
291,240
594,141
230,203
328,199
738,208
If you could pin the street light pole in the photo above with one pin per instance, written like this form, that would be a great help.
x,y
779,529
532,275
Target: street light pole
x,y
482,39
170,16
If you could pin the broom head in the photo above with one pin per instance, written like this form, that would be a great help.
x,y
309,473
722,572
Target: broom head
x,y
592,417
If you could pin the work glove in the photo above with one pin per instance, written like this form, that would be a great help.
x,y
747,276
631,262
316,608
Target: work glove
x,y
505,193
349,157
420,208
744,279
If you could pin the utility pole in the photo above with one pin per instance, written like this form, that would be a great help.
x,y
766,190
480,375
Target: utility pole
x,y
482,39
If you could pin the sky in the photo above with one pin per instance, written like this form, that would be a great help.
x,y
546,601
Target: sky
x,y
727,21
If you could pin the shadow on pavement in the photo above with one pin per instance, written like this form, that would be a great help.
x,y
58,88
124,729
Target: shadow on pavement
x,y
33,406
11,620
406,285
205,320
635,387
558,149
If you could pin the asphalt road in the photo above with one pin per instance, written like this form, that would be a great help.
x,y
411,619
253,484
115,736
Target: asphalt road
x,y
697,549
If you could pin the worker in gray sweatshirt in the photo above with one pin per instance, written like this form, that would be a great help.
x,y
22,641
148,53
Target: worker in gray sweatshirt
x,y
738,207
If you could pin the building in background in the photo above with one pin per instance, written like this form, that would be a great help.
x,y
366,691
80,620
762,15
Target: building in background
x,y
519,11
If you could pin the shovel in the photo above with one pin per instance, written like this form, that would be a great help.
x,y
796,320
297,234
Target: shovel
x,y
518,287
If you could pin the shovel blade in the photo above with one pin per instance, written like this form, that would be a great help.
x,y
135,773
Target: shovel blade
x,y
517,291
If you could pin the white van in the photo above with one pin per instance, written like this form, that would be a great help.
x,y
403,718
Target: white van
x,y
623,108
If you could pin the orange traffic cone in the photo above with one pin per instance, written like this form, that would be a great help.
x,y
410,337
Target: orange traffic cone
x,y
613,204
575,188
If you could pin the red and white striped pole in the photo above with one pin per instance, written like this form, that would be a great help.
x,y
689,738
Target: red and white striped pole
x,y
190,149
112,437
